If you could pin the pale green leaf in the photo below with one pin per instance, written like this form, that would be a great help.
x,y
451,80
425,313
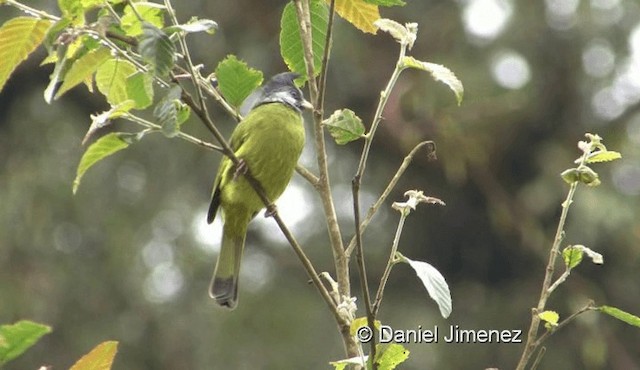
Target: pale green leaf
x,y
99,358
102,148
342,364
345,126
193,26
359,322
18,337
103,119
236,80
140,89
550,318
572,256
171,112
291,43
72,10
156,48
149,12
359,13
111,79
439,72
621,315
395,29
389,356
435,284
18,38
83,68
570,175
603,156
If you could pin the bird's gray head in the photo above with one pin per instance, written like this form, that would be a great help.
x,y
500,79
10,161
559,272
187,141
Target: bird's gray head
x,y
279,89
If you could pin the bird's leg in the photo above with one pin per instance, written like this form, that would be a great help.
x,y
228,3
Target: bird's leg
x,y
270,211
241,169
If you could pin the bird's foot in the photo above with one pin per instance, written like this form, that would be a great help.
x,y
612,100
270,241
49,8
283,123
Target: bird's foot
x,y
270,211
241,169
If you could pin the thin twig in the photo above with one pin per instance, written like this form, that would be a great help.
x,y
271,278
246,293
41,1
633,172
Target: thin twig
x,y
362,272
31,11
392,184
390,262
532,334
307,175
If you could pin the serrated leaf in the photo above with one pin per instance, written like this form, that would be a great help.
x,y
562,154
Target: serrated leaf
x,y
440,73
99,358
194,25
90,4
140,89
156,48
72,9
18,38
236,80
359,13
435,284
111,79
18,337
83,68
395,29
604,156
345,126
102,148
386,3
389,356
621,315
171,112
149,12
291,47
572,256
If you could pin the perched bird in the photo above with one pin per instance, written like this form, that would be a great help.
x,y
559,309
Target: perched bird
x,y
268,142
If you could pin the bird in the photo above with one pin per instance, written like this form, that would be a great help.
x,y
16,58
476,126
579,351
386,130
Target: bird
x,y
268,142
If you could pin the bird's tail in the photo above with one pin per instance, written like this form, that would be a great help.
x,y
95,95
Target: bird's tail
x,y
224,284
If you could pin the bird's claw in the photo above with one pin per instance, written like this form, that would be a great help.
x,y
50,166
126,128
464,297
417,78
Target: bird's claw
x,y
270,211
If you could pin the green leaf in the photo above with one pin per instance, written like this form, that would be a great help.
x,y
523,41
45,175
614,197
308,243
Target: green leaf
x,y
236,80
62,65
603,156
570,175
83,68
72,10
572,256
140,89
156,48
388,356
193,26
18,337
550,318
395,29
90,4
171,112
621,315
102,148
588,176
111,79
149,12
439,72
386,3
291,43
344,126
99,358
18,38
435,284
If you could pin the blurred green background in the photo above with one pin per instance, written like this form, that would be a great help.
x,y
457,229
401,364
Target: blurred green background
x,y
129,257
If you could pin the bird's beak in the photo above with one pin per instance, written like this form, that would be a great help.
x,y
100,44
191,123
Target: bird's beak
x,y
306,105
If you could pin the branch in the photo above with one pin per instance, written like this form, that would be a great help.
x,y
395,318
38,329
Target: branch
x,y
31,11
431,146
390,262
